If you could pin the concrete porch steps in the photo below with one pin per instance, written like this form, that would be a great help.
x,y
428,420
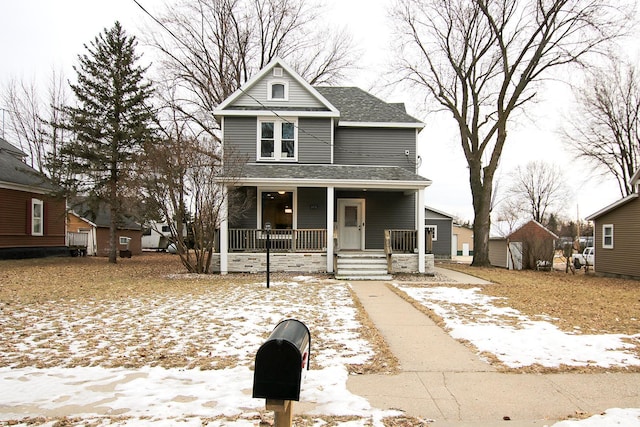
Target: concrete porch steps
x,y
362,266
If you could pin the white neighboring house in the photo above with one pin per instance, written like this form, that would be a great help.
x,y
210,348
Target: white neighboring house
x,y
157,237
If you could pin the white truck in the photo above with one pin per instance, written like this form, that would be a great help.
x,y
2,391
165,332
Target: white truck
x,y
587,257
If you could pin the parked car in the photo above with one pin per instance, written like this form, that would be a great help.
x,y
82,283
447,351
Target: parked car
x,y
585,258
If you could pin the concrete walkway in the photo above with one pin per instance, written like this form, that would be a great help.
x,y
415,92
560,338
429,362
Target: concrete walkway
x,y
444,381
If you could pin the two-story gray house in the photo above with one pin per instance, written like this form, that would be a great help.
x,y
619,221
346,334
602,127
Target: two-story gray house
x,y
331,171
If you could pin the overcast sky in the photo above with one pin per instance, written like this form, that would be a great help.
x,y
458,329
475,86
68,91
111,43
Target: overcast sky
x,y
39,35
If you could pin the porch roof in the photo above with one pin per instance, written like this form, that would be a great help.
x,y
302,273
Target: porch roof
x,y
322,175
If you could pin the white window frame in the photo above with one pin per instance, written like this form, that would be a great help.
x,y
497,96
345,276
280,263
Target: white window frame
x,y
37,221
123,240
272,83
434,237
294,218
277,139
605,228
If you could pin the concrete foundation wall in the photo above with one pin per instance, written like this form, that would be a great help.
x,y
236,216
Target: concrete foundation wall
x,y
408,263
278,262
308,263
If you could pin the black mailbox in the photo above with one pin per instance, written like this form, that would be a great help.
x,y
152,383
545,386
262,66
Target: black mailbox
x,y
280,360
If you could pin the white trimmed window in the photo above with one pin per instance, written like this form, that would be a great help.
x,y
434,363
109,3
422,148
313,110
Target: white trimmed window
x,y
277,90
277,139
277,208
607,236
433,229
37,217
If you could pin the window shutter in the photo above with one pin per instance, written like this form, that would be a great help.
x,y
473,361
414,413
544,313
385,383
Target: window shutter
x,y
27,225
45,218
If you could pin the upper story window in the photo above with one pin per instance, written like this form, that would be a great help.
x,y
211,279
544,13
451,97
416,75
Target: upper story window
x,y
37,217
277,91
277,139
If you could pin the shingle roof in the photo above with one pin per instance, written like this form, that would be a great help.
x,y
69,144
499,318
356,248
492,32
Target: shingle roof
x,y
332,173
99,214
356,105
15,171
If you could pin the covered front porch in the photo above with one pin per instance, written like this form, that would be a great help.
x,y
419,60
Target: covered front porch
x,y
314,212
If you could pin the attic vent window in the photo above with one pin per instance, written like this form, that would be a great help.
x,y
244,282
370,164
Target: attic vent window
x,y
277,72
278,91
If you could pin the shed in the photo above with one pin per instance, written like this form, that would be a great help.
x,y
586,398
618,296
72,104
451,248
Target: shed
x,y
529,247
129,232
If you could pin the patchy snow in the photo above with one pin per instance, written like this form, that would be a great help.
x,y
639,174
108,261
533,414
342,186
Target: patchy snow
x,y
229,324
515,339
612,417
234,323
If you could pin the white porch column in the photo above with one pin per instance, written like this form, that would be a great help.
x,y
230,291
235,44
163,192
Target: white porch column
x,y
330,248
224,232
420,228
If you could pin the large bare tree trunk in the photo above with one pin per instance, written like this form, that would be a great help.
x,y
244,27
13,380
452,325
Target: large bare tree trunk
x,y
480,60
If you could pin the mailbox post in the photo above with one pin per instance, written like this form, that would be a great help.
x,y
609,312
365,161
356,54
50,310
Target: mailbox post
x,y
278,368
267,227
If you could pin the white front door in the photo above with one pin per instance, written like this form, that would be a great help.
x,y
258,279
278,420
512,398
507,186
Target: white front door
x,y
351,224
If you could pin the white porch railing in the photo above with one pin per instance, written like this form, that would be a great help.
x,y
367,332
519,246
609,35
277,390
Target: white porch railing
x,y
252,240
405,241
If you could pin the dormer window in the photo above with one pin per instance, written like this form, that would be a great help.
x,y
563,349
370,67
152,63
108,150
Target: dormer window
x,y
278,91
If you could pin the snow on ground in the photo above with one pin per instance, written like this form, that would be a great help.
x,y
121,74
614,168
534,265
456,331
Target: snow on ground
x,y
515,339
230,324
612,417
234,323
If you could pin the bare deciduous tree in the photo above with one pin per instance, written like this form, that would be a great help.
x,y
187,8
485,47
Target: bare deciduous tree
x,y
604,130
24,106
482,60
210,48
32,120
184,181
537,189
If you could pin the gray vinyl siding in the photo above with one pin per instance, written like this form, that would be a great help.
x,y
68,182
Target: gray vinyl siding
x,y
622,259
383,211
375,146
312,208
441,247
299,96
314,139
240,137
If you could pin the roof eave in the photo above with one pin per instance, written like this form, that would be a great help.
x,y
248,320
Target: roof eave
x,y
356,183
410,125
23,187
612,206
274,113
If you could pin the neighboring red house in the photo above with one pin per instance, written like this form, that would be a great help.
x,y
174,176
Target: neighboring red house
x,y
529,247
32,221
616,235
96,224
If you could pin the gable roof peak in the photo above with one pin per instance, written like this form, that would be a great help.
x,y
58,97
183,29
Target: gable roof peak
x,y
263,73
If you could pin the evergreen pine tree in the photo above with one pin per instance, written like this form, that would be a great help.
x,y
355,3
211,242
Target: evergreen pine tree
x,y
111,121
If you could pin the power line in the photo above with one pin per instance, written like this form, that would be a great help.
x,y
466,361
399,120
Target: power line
x,y
270,109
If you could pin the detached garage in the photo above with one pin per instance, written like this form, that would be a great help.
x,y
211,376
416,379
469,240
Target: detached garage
x,y
439,224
